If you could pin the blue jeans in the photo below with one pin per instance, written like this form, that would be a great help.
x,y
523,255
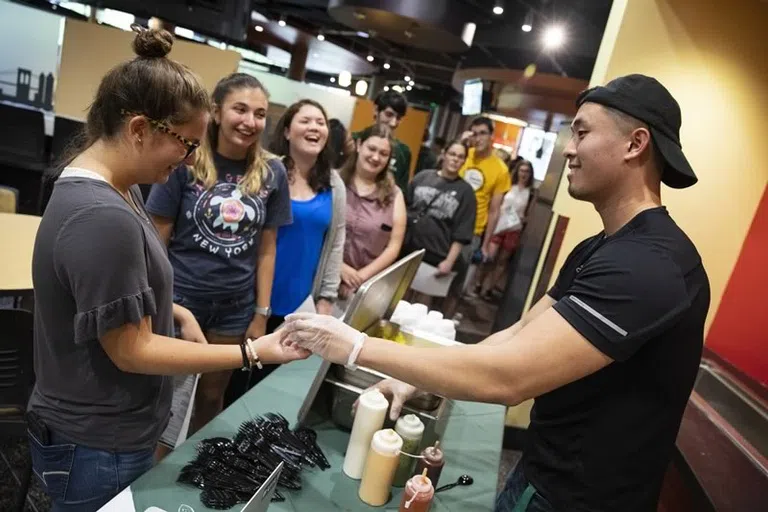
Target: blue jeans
x,y
82,479
514,490
225,317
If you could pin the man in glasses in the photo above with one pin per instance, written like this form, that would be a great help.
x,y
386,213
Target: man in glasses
x,y
490,180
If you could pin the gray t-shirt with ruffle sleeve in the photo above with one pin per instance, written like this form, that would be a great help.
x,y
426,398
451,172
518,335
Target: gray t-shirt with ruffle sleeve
x,y
98,265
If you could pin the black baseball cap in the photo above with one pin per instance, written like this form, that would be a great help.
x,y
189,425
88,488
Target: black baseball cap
x,y
645,99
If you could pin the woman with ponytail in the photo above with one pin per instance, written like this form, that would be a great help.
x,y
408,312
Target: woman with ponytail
x,y
104,311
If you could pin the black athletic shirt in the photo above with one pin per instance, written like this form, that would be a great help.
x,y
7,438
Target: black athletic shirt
x,y
641,297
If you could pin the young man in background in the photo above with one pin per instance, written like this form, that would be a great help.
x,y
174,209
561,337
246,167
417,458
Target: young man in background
x,y
390,108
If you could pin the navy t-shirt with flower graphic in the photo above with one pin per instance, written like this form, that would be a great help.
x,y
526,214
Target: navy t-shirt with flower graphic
x,y
214,245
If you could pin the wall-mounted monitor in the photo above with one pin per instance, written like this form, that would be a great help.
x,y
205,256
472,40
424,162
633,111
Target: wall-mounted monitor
x,y
472,102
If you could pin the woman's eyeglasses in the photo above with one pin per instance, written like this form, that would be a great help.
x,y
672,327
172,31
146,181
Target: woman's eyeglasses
x,y
190,145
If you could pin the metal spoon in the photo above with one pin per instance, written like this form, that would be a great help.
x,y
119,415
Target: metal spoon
x,y
462,480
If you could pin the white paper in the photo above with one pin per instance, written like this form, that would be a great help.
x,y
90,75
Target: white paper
x,y
123,502
188,416
308,306
428,283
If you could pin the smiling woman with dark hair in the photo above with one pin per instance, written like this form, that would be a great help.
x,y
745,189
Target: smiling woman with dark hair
x,y
310,250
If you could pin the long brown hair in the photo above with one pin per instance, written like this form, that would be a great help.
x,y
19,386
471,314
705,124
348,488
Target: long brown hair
x,y
516,172
150,85
256,160
320,175
385,182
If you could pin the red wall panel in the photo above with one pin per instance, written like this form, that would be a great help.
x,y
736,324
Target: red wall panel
x,y
739,331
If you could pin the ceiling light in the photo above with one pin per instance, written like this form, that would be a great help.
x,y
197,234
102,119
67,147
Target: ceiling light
x,y
408,87
528,22
333,79
320,37
361,87
386,65
554,37
407,78
369,58
345,79
411,83
386,88
398,88
498,8
282,21
259,28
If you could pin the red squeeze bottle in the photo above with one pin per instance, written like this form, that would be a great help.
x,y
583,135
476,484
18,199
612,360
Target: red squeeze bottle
x,y
432,462
418,494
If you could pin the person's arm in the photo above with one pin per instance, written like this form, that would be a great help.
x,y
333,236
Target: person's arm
x,y
502,186
136,349
265,274
331,280
278,213
446,266
546,354
462,226
493,218
188,325
607,314
392,251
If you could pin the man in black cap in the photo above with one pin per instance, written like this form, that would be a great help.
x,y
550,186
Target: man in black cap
x,y
611,352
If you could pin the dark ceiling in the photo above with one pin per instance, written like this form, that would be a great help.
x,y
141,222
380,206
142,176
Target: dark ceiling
x,y
499,40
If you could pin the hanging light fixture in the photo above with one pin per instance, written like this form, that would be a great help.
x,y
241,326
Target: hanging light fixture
x,y
361,87
528,22
345,79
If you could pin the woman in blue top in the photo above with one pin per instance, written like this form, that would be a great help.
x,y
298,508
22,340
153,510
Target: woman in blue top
x,y
220,218
310,250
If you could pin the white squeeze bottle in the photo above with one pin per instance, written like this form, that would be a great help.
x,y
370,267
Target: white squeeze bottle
x,y
369,418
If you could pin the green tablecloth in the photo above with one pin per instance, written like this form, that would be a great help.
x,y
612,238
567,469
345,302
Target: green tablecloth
x,y
472,444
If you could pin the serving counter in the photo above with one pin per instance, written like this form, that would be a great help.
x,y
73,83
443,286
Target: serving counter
x,y
472,443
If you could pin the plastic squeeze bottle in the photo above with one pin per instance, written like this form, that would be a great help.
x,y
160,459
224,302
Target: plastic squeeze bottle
x,y
370,415
433,462
418,494
411,429
380,466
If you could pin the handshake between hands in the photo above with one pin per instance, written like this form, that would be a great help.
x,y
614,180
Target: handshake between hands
x,y
337,342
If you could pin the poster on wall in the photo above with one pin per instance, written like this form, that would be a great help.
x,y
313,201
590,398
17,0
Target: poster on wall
x,y
27,73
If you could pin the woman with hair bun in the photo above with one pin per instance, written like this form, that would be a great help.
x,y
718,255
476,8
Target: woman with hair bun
x,y
104,311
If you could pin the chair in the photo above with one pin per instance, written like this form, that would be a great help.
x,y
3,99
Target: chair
x,y
9,199
22,138
16,382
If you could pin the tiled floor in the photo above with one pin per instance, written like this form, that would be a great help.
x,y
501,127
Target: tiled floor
x,y
37,501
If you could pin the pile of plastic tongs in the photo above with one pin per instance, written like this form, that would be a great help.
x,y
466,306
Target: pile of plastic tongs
x,y
230,471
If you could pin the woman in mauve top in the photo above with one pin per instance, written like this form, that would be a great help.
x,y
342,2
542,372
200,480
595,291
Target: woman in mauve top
x,y
375,211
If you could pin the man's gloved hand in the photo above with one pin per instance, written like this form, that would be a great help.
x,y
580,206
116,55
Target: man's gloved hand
x,y
324,335
397,392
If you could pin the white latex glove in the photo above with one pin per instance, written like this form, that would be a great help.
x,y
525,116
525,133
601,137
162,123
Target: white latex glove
x,y
396,391
324,335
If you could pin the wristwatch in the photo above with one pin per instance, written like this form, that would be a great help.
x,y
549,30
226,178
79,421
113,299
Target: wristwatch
x,y
265,312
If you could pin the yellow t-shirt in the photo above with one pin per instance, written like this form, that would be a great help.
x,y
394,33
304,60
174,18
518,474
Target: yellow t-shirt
x,y
487,176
